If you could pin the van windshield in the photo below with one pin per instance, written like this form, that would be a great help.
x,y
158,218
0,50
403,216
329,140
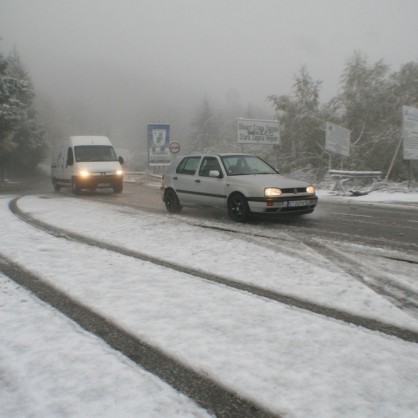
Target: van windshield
x,y
94,153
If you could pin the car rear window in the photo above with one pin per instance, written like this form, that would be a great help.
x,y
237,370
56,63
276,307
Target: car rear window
x,y
188,165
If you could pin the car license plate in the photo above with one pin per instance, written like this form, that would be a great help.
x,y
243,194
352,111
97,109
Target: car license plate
x,y
103,184
295,203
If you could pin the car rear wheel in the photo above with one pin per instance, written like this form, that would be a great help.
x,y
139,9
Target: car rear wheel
x,y
238,208
171,201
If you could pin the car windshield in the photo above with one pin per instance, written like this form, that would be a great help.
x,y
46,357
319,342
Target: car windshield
x,y
94,153
238,165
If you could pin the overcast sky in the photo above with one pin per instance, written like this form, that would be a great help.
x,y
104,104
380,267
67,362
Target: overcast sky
x,y
119,51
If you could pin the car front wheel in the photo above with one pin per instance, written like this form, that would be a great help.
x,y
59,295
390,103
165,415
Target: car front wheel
x,y
172,201
238,208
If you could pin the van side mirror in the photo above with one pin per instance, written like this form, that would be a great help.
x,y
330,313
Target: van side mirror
x,y
121,161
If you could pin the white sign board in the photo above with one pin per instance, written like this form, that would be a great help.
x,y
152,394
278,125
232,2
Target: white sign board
x,y
337,139
410,133
251,131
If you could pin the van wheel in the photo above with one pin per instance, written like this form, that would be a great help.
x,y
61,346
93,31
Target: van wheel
x,y
171,201
118,188
74,186
57,187
238,208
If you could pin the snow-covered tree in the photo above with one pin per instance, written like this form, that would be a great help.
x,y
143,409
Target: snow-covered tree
x,y
22,144
405,85
301,123
9,114
369,104
368,107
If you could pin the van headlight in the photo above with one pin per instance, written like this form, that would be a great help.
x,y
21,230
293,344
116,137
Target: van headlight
x,y
272,192
119,172
84,173
310,189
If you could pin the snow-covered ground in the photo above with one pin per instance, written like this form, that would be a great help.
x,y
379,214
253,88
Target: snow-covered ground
x,y
409,198
292,362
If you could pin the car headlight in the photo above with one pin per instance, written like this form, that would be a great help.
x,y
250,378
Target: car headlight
x,y
119,172
310,189
84,173
272,192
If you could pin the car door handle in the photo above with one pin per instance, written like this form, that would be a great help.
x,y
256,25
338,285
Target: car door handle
x,y
197,181
175,178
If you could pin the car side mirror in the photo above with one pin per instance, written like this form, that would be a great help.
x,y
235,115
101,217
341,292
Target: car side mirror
x,y
121,161
215,173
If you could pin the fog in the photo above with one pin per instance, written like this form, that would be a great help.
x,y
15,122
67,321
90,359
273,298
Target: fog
x,y
112,66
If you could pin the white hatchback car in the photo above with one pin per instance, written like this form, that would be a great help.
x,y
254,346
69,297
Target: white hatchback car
x,y
242,183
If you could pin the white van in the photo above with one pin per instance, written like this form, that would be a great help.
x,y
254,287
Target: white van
x,y
86,162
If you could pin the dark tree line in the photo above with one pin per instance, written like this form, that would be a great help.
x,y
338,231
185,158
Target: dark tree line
x,y
22,143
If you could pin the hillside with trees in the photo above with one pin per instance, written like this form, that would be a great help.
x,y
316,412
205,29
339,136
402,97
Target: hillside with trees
x,y
369,104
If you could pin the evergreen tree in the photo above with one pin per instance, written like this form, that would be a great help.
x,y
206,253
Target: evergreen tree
x,y
9,113
22,144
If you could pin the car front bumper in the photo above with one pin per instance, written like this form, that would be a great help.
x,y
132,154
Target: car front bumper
x,y
297,205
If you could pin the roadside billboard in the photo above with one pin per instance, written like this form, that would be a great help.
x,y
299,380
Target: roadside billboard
x,y
410,133
252,131
158,138
337,139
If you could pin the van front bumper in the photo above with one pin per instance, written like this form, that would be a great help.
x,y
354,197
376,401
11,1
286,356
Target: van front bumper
x,y
99,181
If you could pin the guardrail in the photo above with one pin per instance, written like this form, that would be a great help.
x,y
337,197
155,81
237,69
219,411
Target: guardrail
x,y
343,176
140,176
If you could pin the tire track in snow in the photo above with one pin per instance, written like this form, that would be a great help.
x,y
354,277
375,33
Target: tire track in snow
x,y
402,297
211,395
368,323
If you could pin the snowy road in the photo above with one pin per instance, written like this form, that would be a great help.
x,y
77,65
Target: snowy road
x,y
393,223
287,360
